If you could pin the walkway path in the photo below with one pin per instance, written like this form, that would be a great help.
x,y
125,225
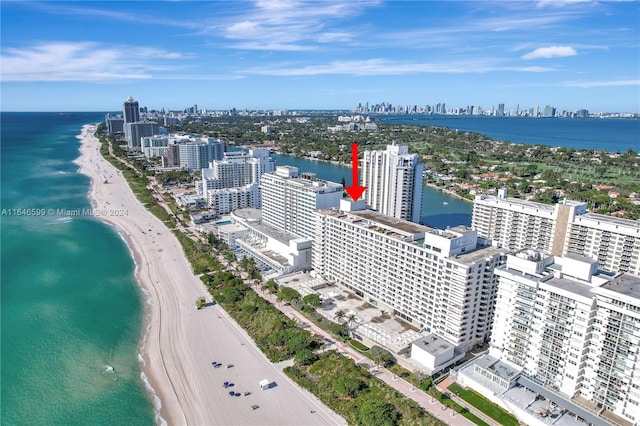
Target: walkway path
x,y
426,401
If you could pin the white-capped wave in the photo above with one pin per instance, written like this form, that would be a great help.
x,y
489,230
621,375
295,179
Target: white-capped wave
x,y
157,404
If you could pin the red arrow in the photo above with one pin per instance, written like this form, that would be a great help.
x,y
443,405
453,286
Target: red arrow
x,y
355,190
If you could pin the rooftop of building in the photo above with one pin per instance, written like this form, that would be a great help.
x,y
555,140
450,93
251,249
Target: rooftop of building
x,y
480,252
515,201
497,367
248,214
309,184
571,285
525,396
392,222
581,258
433,344
272,232
595,217
625,284
273,256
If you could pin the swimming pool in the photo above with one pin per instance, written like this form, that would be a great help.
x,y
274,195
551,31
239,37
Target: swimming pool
x,y
224,222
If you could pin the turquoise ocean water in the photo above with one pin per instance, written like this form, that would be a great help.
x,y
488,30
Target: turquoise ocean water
x,y
69,305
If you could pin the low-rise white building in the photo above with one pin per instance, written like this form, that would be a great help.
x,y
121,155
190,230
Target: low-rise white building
x,y
434,353
281,252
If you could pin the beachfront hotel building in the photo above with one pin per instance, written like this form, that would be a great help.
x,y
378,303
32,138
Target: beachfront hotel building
x,y
114,123
559,229
234,182
289,200
393,178
134,132
183,150
571,330
441,281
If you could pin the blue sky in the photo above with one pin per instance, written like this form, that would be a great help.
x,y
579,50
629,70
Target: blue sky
x,y
280,54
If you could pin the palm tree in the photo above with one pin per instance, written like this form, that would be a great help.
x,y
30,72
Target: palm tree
x,y
340,315
351,318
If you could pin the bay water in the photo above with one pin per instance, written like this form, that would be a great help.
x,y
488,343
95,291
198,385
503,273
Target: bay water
x,y
609,134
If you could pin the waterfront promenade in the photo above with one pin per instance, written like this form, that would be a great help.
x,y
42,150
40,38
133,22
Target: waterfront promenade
x,y
426,401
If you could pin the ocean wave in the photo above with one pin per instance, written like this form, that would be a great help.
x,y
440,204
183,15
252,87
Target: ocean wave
x,y
157,404
62,219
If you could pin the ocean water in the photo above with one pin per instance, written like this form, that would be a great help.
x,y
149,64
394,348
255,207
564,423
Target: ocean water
x,y
609,134
70,305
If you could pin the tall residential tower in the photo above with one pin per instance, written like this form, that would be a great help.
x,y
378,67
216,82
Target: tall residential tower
x,y
131,110
394,182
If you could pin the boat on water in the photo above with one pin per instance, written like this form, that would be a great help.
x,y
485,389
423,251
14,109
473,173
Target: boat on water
x,y
445,203
109,369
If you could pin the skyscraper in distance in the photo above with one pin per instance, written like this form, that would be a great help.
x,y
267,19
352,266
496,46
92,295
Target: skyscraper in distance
x,y
394,182
131,110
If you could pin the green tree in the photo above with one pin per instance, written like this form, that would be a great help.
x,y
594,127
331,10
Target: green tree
x,y
351,319
347,386
377,412
312,300
380,355
288,294
340,314
271,285
230,295
306,357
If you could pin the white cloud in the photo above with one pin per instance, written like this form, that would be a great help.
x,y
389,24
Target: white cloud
x,y
550,52
381,66
588,84
560,3
82,61
291,25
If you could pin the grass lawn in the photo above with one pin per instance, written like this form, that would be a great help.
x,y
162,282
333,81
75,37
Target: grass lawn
x,y
484,405
359,346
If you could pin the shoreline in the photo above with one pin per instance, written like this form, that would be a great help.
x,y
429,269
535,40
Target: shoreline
x,y
446,191
178,342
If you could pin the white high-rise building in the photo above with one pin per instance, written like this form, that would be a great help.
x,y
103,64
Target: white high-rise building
x,y
234,181
559,229
237,168
394,182
439,280
134,132
572,330
614,242
195,152
289,200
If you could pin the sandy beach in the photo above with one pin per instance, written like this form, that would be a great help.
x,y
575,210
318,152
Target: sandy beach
x,y
180,342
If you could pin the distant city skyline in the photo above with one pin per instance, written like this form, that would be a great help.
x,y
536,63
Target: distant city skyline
x,y
296,55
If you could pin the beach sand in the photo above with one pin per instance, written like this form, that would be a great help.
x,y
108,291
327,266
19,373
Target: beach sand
x,y
180,341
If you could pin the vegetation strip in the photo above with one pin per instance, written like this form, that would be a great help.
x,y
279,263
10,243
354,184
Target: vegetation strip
x,y
484,405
